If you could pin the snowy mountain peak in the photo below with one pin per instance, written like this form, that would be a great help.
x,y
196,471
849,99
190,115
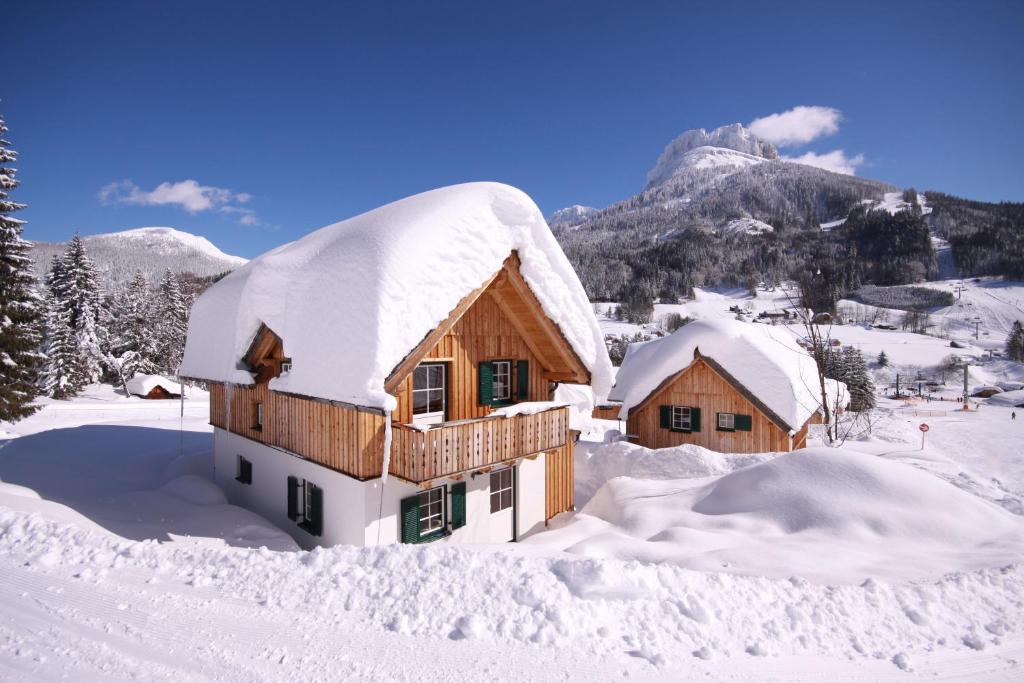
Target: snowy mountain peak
x,y
172,237
679,154
570,215
151,250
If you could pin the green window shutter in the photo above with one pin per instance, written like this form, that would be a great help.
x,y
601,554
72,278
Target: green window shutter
x,y
410,520
245,472
458,505
744,423
293,497
485,395
694,419
316,524
522,379
666,417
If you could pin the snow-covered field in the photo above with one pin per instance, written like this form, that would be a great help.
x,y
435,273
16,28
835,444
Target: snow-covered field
x,y
121,560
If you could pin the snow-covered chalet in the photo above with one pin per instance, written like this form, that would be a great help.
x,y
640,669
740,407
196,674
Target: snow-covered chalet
x,y
728,386
390,377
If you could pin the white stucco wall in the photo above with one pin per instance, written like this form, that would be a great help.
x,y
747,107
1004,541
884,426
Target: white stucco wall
x,y
354,512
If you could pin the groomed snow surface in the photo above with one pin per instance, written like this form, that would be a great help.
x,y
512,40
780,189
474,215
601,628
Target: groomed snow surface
x,y
381,282
793,580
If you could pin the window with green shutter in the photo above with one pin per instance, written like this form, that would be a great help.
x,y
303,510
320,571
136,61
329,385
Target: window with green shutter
x,y
725,422
679,418
306,505
293,498
423,515
495,383
410,519
458,505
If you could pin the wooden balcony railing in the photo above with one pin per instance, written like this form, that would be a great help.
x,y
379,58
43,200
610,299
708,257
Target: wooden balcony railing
x,y
452,447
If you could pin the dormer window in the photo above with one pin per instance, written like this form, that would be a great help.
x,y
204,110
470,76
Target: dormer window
x,y
286,366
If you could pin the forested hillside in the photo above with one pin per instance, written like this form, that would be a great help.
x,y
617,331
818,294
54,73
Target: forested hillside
x,y
987,238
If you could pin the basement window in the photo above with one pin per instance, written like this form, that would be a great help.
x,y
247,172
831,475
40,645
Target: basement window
x,y
243,472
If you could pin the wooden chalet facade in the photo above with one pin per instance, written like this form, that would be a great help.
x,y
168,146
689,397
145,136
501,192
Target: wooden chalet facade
x,y
458,466
703,404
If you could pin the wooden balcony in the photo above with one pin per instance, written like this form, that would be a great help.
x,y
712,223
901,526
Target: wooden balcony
x,y
465,445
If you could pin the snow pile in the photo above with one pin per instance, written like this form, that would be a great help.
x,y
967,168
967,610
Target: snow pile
x,y
599,463
830,515
1008,398
382,281
140,385
224,607
765,360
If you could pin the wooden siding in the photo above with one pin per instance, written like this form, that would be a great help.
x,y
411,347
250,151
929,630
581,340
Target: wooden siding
x,y
559,481
344,439
701,387
421,456
606,412
483,333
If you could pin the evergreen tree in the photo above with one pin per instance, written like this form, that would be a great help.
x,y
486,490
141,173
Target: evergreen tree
x,y
62,375
858,380
883,360
172,309
83,304
134,347
21,316
1015,342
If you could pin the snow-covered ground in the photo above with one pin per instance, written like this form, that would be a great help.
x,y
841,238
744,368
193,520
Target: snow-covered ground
x,y
786,577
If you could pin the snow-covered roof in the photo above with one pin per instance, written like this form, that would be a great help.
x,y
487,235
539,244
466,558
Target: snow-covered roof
x,y
765,360
143,384
351,300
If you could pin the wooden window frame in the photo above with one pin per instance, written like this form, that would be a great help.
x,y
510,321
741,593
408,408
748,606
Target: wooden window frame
x,y
731,427
677,414
499,493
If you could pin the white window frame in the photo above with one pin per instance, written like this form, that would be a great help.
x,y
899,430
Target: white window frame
x,y
682,418
431,511
727,421
501,368
504,492
431,417
259,415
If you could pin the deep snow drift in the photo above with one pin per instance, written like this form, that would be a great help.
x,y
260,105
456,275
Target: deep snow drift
x,y
382,281
824,514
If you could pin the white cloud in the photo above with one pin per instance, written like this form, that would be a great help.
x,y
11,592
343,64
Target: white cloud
x,y
188,194
835,161
797,126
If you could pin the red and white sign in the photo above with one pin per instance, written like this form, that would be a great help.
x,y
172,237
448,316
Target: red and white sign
x,y
923,427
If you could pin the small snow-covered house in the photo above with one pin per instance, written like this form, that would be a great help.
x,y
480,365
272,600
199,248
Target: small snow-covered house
x,y
390,377
728,386
153,387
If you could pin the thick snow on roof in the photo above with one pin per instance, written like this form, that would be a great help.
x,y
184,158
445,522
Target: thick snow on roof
x,y
351,300
143,384
766,360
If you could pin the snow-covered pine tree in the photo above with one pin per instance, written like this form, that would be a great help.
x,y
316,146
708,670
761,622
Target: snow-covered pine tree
x,y
62,375
858,380
83,300
21,315
172,309
883,360
134,347
1015,342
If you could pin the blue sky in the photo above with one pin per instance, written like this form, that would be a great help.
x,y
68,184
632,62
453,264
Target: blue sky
x,y
289,116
